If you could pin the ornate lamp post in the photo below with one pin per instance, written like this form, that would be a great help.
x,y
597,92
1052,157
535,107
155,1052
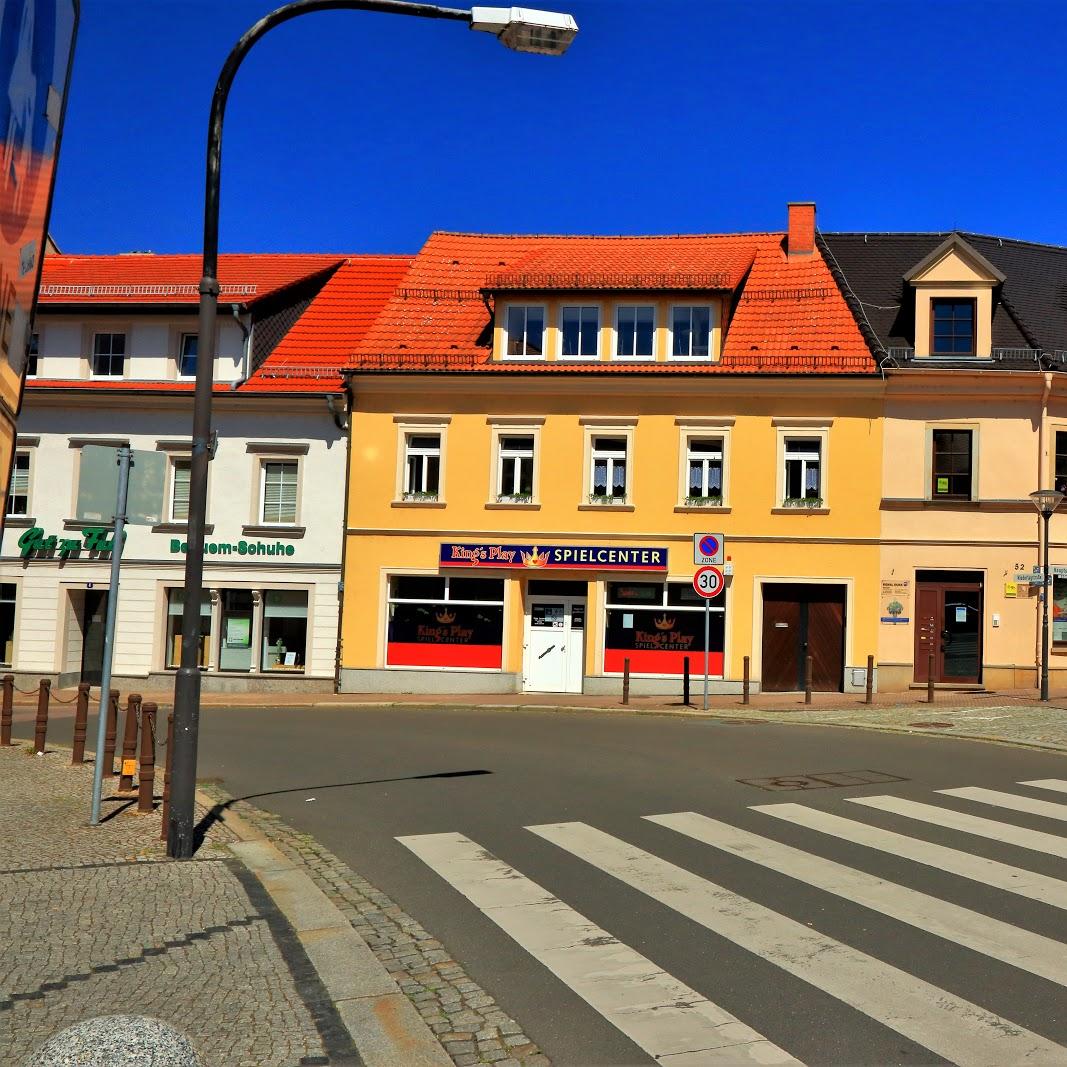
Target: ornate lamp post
x,y
1046,501
522,29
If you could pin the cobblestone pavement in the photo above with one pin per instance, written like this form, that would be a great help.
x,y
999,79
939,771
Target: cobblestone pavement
x,y
95,921
466,1019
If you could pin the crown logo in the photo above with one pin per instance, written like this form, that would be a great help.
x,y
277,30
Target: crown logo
x,y
664,622
534,558
444,616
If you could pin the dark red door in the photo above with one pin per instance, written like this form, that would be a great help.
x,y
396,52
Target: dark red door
x,y
949,624
798,621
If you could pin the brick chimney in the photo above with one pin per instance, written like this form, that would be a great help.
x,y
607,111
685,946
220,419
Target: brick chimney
x,y
800,241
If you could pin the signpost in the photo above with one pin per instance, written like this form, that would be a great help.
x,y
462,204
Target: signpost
x,y
708,582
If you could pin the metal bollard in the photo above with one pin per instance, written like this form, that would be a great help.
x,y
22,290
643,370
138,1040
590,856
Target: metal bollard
x,y
129,742
111,733
146,775
81,724
930,679
165,808
869,695
807,679
685,680
746,681
40,729
8,710
626,680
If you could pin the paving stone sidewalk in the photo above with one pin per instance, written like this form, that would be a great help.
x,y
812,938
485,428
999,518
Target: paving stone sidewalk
x,y
466,1019
96,921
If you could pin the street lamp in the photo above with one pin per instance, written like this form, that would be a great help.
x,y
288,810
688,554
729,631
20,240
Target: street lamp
x,y
523,29
1046,501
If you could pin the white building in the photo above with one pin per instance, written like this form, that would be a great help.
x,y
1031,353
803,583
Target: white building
x,y
114,365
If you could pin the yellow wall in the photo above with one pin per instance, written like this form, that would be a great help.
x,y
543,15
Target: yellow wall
x,y
762,541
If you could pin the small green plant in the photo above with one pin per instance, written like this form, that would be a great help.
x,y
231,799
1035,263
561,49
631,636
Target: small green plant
x,y
802,502
703,501
606,498
514,498
420,497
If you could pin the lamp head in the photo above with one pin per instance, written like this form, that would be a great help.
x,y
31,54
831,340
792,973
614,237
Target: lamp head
x,y
1046,500
524,29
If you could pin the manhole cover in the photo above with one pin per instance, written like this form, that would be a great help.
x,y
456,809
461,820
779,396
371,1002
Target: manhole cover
x,y
932,725
822,780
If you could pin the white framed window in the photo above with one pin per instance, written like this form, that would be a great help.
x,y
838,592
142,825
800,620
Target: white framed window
x,y
524,326
187,347
608,469
422,466
704,471
803,485
515,468
691,331
18,492
635,331
178,503
279,479
579,331
109,355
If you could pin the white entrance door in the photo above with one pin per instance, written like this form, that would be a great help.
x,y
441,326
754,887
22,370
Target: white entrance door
x,y
554,649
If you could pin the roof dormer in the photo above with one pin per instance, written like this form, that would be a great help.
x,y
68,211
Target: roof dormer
x,y
953,289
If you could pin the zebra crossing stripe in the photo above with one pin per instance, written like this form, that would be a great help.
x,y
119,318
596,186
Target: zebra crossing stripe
x,y
947,1025
999,940
671,1022
1057,785
1011,801
1034,840
989,872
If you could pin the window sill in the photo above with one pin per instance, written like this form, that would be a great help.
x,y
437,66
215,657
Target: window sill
x,y
83,524
513,505
270,530
605,507
19,521
800,511
179,527
718,509
417,504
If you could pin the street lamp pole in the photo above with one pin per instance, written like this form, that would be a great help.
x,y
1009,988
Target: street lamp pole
x,y
1046,501
524,30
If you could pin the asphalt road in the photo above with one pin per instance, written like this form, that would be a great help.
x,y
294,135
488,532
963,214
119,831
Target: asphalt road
x,y
889,993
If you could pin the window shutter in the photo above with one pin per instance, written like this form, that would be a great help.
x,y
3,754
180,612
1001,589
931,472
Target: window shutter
x,y
179,501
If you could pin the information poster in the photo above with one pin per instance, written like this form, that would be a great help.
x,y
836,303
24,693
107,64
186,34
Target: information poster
x,y
895,601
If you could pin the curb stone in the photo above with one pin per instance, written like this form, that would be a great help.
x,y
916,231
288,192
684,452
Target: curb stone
x,y
398,990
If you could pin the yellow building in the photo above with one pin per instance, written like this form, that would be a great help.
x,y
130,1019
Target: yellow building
x,y
540,425
971,335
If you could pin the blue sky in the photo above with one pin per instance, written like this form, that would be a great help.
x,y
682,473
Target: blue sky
x,y
349,131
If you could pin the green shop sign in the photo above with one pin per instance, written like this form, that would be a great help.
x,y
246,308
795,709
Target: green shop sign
x,y
93,539
241,548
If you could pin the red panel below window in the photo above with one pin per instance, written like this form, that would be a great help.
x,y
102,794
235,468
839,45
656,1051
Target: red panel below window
x,y
656,662
425,654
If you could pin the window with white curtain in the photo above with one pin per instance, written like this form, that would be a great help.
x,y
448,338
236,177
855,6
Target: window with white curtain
x,y
704,463
608,469
422,466
803,470
279,492
515,466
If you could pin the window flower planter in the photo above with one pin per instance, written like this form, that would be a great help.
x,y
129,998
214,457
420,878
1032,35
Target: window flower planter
x,y
601,498
703,501
421,498
802,502
514,498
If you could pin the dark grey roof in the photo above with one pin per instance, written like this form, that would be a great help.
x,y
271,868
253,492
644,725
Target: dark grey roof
x,y
1029,308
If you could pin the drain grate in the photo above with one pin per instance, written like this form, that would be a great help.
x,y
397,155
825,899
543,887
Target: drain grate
x,y
823,780
932,725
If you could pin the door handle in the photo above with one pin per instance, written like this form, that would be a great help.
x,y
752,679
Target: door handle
x,y
546,651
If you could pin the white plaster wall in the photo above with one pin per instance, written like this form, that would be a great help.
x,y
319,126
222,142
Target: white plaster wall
x,y
149,563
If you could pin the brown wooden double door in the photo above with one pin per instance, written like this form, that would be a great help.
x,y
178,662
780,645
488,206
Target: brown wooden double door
x,y
798,621
948,624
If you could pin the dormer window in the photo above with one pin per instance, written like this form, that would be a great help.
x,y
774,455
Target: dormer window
x,y
952,327
580,331
526,331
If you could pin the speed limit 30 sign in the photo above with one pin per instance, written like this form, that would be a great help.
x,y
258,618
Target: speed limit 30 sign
x,y
708,582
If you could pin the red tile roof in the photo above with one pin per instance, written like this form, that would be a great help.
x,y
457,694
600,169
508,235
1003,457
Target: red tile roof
x,y
438,316
313,353
147,278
